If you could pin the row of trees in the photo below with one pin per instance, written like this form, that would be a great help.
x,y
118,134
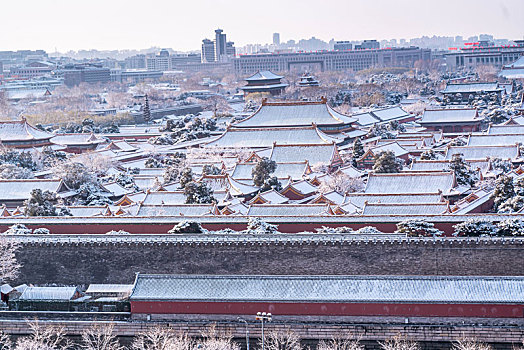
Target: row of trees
x,y
102,337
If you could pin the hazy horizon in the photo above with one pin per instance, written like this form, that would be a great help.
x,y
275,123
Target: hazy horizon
x,y
134,25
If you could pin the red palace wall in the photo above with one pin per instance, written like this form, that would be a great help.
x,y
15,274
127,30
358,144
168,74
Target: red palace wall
x,y
330,309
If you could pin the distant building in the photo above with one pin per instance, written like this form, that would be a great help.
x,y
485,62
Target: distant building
x,y
368,45
472,56
178,61
159,62
276,39
343,46
355,60
86,73
33,70
219,50
220,45
135,62
134,75
264,81
208,51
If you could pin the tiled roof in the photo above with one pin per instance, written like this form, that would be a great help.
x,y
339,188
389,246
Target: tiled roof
x,y
175,210
405,209
410,183
283,171
266,137
470,88
287,209
76,139
359,199
482,152
505,129
495,140
449,115
48,293
20,130
392,146
313,153
294,114
427,289
21,189
264,75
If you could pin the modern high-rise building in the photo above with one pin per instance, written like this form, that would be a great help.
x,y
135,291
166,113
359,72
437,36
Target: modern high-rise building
x,y
220,45
208,51
276,39
218,50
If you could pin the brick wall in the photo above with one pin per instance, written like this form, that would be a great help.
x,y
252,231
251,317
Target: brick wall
x,y
117,262
430,336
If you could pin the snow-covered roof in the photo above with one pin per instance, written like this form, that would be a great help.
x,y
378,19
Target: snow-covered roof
x,y
263,75
287,209
472,201
284,170
404,209
390,113
470,88
174,197
20,130
15,189
270,197
350,171
359,199
410,183
366,119
76,139
109,288
482,152
313,153
176,210
280,114
449,115
48,293
304,187
402,289
266,137
392,146
514,70
509,129
495,140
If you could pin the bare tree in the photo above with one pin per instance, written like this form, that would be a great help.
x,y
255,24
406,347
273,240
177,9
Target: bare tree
x,y
44,338
162,338
344,343
282,340
100,337
214,340
10,268
5,341
342,183
470,344
399,343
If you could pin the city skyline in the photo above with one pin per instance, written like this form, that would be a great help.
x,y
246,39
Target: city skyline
x,y
128,25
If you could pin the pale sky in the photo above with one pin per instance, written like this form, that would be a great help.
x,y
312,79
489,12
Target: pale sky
x,y
181,25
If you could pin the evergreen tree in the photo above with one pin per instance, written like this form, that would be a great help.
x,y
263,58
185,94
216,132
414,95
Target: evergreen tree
x,y
358,150
146,112
462,172
41,203
198,193
186,176
262,170
504,190
386,162
271,183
